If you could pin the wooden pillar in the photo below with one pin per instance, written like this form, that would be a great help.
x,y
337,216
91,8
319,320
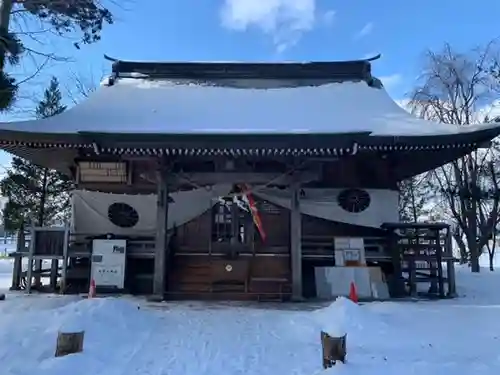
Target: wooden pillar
x,y
439,262
412,277
16,273
38,273
433,264
235,223
161,243
54,269
29,271
235,231
64,262
396,287
20,251
433,288
450,275
296,243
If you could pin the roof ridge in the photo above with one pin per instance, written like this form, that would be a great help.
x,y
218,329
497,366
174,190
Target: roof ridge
x,y
354,70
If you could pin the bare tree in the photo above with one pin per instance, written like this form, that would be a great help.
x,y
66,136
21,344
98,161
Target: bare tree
x,y
31,33
80,86
491,247
455,88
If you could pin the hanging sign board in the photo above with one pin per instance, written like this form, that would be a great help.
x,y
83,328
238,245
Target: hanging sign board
x,y
90,171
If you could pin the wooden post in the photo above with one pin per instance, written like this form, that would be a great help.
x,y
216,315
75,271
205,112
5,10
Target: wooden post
x,y
16,273
412,275
64,266
54,268
161,243
29,271
38,273
397,288
18,259
450,274
433,288
235,224
69,343
450,265
296,243
235,231
334,349
439,262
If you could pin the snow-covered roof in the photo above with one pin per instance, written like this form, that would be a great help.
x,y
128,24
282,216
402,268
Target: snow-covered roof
x,y
141,105
319,109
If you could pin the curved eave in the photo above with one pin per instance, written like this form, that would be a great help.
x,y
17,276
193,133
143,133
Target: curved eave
x,y
54,151
479,137
41,139
306,144
58,151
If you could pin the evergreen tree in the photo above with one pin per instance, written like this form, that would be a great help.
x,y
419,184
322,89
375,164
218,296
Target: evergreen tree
x,y
10,52
412,198
83,18
37,194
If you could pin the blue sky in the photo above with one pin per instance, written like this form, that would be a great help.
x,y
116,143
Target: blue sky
x,y
271,30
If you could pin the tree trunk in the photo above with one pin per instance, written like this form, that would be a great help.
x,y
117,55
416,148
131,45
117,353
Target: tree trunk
x,y
464,255
474,258
5,9
491,253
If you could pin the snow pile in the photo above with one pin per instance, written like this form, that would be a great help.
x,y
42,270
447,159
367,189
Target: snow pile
x,y
478,288
457,337
87,313
344,316
111,326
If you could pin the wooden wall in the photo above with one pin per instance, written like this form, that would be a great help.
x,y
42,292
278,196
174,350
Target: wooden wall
x,y
198,263
196,258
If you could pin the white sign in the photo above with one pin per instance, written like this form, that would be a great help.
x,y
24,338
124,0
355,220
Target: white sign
x,y
349,249
108,263
352,255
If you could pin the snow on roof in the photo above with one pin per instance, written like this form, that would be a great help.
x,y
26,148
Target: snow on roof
x,y
137,105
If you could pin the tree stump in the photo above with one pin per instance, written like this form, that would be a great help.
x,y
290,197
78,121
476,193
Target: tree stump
x,y
334,349
69,343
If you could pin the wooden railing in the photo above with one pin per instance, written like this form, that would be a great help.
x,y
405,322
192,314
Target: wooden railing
x,y
323,247
81,246
313,247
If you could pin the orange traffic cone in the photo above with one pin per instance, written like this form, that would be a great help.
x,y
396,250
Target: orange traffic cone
x,y
353,294
92,291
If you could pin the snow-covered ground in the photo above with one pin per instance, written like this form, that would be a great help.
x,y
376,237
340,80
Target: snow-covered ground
x,y
459,337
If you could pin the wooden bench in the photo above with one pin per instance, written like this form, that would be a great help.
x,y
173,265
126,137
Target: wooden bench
x,y
228,274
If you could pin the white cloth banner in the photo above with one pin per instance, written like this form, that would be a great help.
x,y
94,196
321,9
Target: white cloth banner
x,y
90,209
322,203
